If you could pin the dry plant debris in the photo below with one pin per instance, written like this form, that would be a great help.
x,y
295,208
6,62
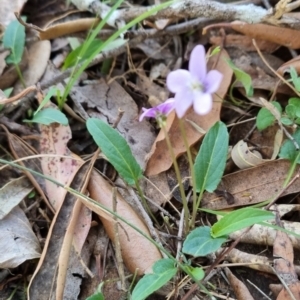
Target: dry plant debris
x,y
71,222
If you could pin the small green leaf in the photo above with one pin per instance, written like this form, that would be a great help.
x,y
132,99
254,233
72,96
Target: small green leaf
x,y
14,39
243,77
116,149
198,273
265,118
48,116
163,271
98,295
295,78
288,149
74,56
286,121
215,51
295,102
199,242
290,110
46,99
239,219
211,159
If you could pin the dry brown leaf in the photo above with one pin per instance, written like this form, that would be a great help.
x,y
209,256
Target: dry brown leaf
x,y
47,281
21,149
239,288
2,61
283,254
283,36
68,27
262,235
137,251
8,9
253,185
18,242
12,194
105,101
243,42
160,159
295,63
255,262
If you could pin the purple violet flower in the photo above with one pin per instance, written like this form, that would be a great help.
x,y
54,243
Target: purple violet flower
x,y
194,87
160,110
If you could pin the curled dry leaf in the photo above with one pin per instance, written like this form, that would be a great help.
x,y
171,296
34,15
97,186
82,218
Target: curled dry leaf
x,y
244,157
160,159
137,252
283,36
295,63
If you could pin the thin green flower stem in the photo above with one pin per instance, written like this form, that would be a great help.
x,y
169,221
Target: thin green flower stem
x,y
191,163
145,203
291,170
20,75
183,267
193,220
179,179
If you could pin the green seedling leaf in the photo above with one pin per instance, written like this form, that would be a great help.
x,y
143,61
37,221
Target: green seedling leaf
x,y
243,77
288,149
48,116
215,51
50,93
211,159
74,42
77,55
290,110
265,118
98,295
198,273
116,149
163,271
295,103
7,92
286,121
14,40
200,242
239,219
295,78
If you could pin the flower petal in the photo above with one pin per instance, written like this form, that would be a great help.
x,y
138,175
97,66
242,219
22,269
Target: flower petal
x,y
150,113
166,107
203,104
212,81
183,100
178,79
197,64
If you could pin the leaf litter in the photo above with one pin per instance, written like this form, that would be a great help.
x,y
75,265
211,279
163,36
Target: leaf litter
x,y
132,75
